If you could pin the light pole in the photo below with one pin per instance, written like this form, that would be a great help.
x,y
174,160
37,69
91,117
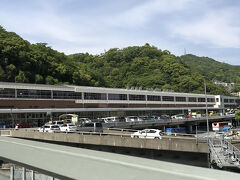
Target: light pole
x,y
205,91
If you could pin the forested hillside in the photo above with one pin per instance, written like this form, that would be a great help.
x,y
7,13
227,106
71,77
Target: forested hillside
x,y
139,66
214,70
146,67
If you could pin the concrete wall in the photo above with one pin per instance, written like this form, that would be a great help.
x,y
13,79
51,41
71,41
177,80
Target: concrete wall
x,y
167,143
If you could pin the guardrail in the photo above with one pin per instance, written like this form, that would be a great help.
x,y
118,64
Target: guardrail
x,y
162,121
117,134
214,156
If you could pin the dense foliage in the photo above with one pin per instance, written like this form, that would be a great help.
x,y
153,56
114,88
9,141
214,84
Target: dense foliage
x,y
143,67
237,115
146,67
214,70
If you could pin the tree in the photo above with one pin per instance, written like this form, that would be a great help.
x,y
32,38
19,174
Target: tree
x,y
38,78
21,77
51,80
237,117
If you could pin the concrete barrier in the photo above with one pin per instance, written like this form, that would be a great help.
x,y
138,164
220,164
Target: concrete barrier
x,y
5,132
185,144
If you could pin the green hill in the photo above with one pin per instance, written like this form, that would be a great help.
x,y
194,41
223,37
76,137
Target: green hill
x,y
139,66
212,69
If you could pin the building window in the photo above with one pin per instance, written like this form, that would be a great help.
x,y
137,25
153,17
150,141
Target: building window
x,y
117,96
95,96
67,95
201,100
226,100
180,99
217,99
153,98
34,94
7,93
231,100
134,97
192,99
168,98
210,99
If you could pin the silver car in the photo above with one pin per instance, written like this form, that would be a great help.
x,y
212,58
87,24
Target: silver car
x,y
91,127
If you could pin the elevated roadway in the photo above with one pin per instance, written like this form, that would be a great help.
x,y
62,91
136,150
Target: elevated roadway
x,y
184,144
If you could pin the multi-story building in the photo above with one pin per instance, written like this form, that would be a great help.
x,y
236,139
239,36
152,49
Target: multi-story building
x,y
36,103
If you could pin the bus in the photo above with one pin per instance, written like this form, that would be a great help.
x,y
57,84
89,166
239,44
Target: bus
x,y
221,126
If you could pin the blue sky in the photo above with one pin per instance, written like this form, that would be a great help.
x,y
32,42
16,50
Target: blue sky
x,y
203,27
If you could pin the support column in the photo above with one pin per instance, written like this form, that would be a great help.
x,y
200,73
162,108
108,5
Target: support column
x,y
33,175
23,173
11,173
190,128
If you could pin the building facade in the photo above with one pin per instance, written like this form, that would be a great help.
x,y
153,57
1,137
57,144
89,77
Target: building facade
x,y
38,102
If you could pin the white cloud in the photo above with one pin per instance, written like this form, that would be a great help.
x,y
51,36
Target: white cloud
x,y
216,28
140,14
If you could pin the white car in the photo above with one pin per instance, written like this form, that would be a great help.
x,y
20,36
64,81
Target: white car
x,y
178,116
68,128
49,128
148,134
131,119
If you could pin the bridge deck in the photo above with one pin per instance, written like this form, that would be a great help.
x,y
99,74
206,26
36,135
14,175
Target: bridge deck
x,y
76,163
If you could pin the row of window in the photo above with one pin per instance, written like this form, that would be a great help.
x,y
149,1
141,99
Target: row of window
x,y
47,94
231,100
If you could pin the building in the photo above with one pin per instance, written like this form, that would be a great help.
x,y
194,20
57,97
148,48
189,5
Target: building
x,y
36,103
229,86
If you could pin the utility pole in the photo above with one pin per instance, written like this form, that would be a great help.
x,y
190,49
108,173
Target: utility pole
x,y
205,90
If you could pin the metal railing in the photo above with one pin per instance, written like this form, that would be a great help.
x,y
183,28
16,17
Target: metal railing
x,y
223,153
161,121
231,152
214,156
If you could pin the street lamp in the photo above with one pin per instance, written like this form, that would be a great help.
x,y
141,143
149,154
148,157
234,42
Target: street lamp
x,y
205,91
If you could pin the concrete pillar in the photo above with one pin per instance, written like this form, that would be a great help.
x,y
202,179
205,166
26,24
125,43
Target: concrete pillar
x,y
33,175
23,173
12,173
190,128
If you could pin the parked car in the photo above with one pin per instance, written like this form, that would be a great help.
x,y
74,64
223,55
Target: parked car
x,y
4,125
178,116
49,128
148,134
114,119
59,123
90,127
153,118
164,117
131,118
84,120
143,118
23,125
68,128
